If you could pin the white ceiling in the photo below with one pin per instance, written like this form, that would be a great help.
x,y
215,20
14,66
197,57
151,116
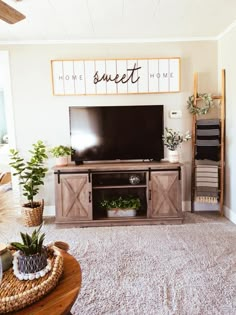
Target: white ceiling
x,y
118,20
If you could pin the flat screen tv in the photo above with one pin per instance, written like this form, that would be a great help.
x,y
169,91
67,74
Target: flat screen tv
x,y
104,133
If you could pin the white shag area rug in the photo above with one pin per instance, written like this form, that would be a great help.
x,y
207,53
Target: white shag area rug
x,y
187,269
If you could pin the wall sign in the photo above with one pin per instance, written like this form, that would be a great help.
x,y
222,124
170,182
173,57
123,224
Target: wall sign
x,y
94,77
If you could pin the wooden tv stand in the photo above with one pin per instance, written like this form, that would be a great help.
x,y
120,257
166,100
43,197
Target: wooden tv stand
x,y
78,190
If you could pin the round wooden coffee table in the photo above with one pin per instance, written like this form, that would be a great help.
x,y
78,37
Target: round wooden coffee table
x,y
60,300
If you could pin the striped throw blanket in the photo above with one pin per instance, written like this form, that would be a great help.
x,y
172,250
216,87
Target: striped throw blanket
x,y
207,139
207,183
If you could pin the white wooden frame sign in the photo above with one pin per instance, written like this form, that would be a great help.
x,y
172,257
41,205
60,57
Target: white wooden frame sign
x,y
94,77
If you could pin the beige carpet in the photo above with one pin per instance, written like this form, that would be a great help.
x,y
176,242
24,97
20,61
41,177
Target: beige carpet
x,y
184,269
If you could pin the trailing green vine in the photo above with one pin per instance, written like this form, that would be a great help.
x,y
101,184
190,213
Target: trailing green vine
x,y
200,110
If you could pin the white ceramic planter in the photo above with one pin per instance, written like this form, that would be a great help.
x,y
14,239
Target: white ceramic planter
x,y
116,213
173,156
62,161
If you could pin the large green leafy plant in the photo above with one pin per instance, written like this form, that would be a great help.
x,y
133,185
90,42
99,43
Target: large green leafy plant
x,y
31,244
31,173
121,202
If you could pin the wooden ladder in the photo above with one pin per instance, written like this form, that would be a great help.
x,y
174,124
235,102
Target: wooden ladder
x,y
222,147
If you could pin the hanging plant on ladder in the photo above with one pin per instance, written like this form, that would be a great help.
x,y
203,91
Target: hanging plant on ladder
x,y
200,110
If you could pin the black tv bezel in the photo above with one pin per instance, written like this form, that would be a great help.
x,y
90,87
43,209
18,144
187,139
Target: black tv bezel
x,y
79,161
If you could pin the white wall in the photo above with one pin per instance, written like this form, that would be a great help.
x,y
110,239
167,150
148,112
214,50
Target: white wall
x,y
5,88
227,53
40,115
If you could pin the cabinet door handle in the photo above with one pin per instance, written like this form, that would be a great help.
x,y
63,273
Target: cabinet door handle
x,y
179,171
90,196
58,176
150,194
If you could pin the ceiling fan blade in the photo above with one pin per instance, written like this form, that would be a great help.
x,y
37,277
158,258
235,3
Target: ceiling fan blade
x,y
9,14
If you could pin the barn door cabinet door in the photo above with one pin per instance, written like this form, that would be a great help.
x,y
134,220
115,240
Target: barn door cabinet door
x,y
165,195
74,198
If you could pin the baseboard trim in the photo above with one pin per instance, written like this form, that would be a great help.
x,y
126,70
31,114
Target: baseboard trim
x,y
186,206
229,214
49,211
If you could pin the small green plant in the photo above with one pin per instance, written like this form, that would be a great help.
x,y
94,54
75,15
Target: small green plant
x,y
60,151
30,244
127,202
32,172
172,139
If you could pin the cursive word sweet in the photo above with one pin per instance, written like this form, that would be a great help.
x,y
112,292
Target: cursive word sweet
x,y
117,79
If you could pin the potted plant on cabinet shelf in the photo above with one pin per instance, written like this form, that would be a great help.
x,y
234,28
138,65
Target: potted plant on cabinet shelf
x,y
31,174
61,153
122,206
30,261
172,140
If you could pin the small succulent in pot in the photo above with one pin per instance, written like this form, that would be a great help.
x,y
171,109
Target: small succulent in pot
x,y
32,254
30,244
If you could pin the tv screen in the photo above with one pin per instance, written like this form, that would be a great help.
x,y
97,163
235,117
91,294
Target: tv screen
x,y
116,133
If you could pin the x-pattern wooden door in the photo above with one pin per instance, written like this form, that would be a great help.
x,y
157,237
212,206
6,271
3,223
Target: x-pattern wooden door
x,y
165,194
76,197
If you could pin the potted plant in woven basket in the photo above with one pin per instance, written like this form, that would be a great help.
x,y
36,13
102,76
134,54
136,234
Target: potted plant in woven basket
x,y
31,256
61,153
31,174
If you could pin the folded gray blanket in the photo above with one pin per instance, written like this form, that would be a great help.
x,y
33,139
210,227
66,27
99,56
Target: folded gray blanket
x,y
206,182
208,132
201,122
207,143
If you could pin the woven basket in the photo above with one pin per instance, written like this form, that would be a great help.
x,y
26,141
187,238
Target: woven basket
x,y
32,216
16,294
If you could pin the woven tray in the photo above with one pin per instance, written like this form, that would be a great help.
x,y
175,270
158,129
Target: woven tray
x,y
16,294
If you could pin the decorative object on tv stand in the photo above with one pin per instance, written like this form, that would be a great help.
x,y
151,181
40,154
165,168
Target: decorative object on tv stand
x,y
61,153
134,179
172,140
31,175
203,109
30,261
122,206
